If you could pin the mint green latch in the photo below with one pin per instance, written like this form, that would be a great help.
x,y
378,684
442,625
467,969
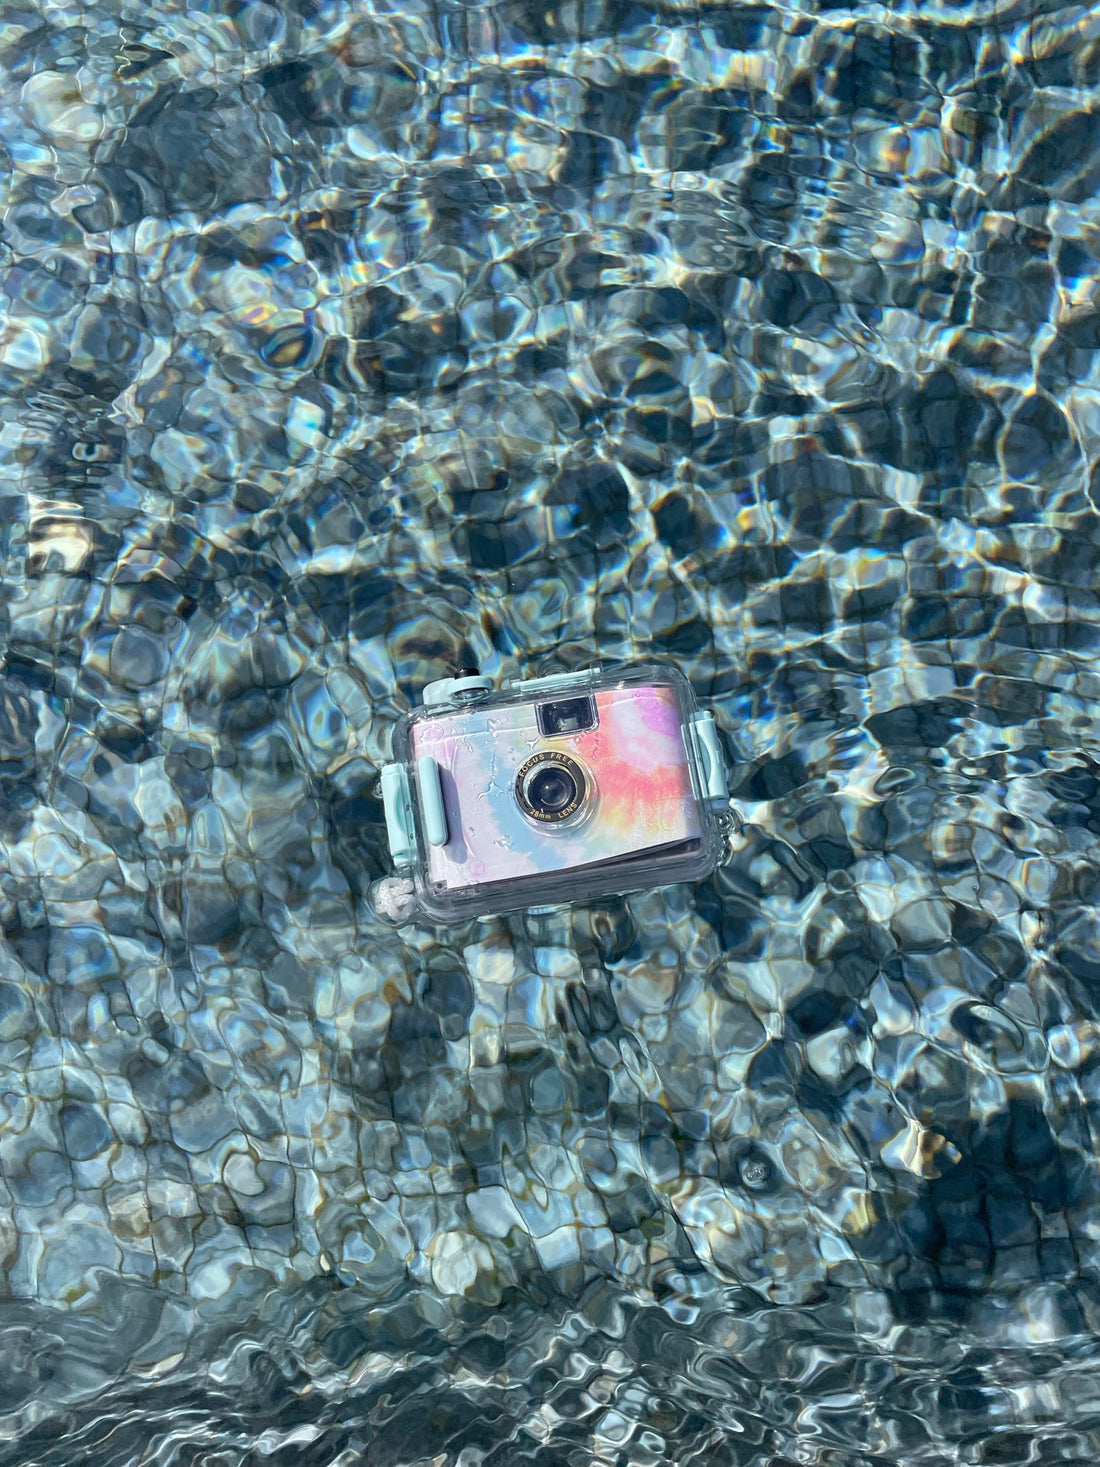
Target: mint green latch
x,y
431,800
708,755
397,804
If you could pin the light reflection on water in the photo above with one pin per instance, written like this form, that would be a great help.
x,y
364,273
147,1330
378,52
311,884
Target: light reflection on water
x,y
341,348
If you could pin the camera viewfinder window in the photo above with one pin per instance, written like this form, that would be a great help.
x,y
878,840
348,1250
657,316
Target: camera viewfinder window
x,y
566,716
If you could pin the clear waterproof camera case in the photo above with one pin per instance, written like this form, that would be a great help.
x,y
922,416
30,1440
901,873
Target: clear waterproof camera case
x,y
553,791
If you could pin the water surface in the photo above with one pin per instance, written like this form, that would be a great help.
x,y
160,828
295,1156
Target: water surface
x,y
344,345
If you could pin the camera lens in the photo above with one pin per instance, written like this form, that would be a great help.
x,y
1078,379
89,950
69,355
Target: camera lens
x,y
550,787
551,790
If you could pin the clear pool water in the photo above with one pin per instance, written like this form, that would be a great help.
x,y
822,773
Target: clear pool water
x,y
342,344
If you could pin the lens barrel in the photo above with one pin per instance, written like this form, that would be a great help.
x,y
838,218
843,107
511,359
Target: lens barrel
x,y
550,787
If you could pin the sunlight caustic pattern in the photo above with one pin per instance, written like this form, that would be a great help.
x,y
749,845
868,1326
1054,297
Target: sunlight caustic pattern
x,y
341,346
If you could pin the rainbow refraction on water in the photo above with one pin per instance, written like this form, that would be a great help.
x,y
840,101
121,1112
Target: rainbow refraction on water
x,y
342,346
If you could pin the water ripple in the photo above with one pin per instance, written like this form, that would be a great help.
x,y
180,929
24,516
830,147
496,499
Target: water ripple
x,y
340,348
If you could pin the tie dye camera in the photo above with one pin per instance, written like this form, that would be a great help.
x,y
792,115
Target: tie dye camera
x,y
553,791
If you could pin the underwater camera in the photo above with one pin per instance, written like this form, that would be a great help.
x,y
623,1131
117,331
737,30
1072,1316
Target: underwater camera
x,y
552,791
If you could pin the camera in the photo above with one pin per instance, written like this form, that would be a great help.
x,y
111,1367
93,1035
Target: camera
x,y
552,791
